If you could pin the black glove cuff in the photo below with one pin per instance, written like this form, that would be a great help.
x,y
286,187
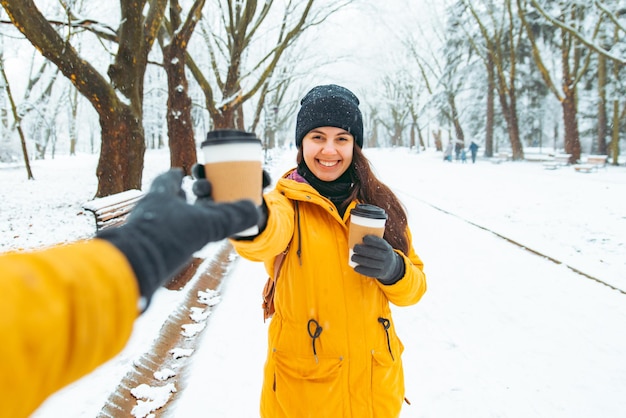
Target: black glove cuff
x,y
397,273
263,212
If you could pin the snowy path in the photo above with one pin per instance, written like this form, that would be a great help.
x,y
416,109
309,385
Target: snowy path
x,y
501,332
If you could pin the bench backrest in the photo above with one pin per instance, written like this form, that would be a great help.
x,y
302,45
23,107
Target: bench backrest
x,y
113,210
597,159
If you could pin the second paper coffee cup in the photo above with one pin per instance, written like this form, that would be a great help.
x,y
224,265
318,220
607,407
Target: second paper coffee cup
x,y
365,219
233,163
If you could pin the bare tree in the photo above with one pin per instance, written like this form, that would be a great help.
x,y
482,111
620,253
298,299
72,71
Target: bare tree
x,y
16,117
443,76
604,46
501,42
232,43
119,101
34,109
396,104
574,63
179,121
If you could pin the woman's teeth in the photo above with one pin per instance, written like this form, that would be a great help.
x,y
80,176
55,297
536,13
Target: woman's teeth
x,y
328,163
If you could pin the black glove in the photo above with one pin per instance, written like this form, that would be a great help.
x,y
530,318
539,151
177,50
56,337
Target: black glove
x,y
202,189
377,259
163,231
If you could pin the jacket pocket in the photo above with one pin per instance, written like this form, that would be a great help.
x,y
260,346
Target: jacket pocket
x,y
303,385
387,383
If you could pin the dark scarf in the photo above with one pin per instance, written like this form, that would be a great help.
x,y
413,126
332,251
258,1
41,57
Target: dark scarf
x,y
337,191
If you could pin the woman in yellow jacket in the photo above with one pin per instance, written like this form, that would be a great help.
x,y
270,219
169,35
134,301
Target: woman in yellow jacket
x,y
333,349
67,309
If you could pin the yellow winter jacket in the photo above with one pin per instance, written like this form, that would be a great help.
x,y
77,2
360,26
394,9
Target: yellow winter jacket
x,y
65,310
333,349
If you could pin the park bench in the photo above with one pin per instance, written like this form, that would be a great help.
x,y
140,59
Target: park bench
x,y
112,210
592,163
501,157
559,160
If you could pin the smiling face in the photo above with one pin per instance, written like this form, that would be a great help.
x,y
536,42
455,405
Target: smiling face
x,y
327,151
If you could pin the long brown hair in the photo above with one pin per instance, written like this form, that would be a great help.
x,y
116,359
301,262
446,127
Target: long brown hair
x,y
369,189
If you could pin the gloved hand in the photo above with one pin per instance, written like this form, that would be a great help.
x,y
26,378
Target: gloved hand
x,y
163,231
202,189
376,258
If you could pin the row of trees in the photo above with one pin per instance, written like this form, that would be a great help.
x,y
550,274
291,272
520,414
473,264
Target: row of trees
x,y
522,71
237,57
511,74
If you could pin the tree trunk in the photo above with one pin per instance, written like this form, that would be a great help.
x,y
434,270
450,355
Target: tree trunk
x,y
17,118
179,120
421,146
179,123
600,147
120,165
568,102
458,130
73,96
572,141
570,113
615,134
373,139
513,127
489,125
397,135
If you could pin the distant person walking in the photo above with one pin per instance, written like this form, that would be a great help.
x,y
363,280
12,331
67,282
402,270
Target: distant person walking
x,y
473,150
458,147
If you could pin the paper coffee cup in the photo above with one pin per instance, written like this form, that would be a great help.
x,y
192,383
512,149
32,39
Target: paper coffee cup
x,y
365,219
233,163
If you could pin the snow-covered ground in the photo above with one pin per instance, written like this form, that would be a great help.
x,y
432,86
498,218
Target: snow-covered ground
x,y
501,331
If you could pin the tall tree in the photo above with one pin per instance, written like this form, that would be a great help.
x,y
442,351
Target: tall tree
x,y
179,121
501,41
396,100
235,79
439,74
119,101
271,98
7,87
605,47
574,63
451,74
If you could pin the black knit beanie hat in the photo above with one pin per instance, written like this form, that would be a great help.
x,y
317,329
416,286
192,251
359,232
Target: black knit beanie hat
x,y
330,105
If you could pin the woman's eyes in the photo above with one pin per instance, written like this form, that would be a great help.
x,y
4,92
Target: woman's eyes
x,y
322,138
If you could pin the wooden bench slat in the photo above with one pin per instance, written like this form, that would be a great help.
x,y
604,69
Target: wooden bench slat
x,y
118,207
112,210
112,200
111,222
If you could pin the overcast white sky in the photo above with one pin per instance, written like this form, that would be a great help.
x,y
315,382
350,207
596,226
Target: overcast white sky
x,y
364,40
